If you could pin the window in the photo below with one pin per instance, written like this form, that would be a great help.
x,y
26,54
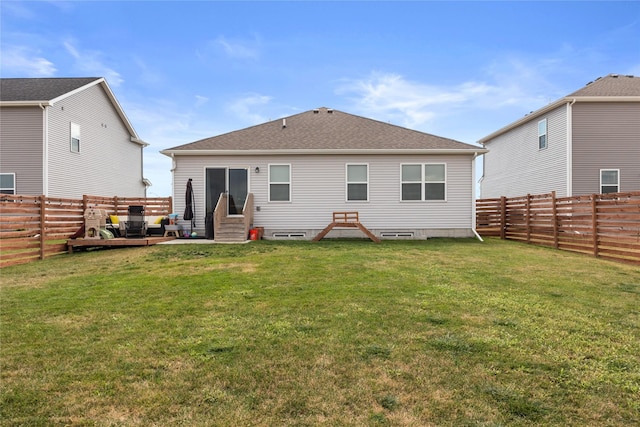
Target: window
x,y
75,138
542,134
7,183
424,181
609,181
434,182
357,182
279,183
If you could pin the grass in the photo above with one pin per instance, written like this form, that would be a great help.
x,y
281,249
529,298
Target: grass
x,y
342,333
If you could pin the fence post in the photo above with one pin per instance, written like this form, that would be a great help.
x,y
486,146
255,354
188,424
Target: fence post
x,y
528,218
43,229
594,223
503,217
554,215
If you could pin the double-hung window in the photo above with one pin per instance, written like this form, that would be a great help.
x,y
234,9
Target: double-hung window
x,y
542,134
75,138
279,183
357,182
609,181
424,181
7,183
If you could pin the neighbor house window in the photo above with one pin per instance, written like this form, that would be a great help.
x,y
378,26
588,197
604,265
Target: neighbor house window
x,y
357,182
542,134
279,183
609,181
424,181
7,183
75,138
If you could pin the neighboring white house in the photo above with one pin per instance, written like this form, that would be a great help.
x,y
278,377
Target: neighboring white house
x,y
584,143
302,168
67,137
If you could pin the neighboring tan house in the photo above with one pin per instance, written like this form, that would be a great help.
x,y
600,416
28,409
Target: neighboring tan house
x,y
587,142
67,137
298,170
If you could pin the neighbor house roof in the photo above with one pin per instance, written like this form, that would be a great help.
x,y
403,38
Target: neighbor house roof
x,y
611,88
322,130
40,90
28,92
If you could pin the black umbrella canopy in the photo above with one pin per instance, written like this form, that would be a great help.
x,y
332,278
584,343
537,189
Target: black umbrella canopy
x,y
189,205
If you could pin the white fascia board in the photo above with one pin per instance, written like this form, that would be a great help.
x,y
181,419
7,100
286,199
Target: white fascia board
x,y
554,105
80,89
25,103
112,98
170,153
523,120
140,142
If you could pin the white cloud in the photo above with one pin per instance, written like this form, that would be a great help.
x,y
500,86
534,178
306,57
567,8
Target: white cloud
x,y
389,96
244,108
90,62
26,62
240,49
201,100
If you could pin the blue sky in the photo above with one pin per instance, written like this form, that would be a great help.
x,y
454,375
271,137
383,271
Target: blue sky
x,y
184,70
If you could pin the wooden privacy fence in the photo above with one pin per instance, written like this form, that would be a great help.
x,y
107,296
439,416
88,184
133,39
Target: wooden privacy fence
x,y
603,225
36,227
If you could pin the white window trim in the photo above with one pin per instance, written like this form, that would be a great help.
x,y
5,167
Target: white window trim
x,y
347,182
423,182
610,185
76,127
269,182
14,183
545,134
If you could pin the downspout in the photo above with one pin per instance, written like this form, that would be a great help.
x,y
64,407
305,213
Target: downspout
x,y
473,204
142,170
173,175
570,148
45,149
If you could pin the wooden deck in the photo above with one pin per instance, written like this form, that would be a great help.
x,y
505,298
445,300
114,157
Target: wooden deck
x,y
116,242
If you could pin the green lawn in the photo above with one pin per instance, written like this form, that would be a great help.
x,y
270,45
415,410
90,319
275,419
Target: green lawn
x,y
339,333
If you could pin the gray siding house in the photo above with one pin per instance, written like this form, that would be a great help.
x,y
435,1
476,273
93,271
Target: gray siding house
x,y
584,143
66,137
300,169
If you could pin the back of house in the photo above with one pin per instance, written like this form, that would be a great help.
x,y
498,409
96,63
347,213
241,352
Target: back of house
x,y
302,168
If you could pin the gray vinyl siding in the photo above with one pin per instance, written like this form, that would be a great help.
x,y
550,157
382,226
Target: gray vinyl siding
x,y
605,136
108,163
318,188
515,166
21,145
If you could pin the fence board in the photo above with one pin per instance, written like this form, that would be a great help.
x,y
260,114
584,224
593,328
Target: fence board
x,y
31,227
604,225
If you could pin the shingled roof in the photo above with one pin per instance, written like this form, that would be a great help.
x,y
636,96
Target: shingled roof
x,y
45,89
611,85
321,130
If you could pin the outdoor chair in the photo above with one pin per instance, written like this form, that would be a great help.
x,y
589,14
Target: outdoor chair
x,y
135,226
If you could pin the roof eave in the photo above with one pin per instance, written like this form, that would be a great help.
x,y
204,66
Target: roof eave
x,y
553,106
25,103
465,151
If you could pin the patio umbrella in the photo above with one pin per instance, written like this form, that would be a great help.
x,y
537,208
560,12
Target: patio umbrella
x,y
189,206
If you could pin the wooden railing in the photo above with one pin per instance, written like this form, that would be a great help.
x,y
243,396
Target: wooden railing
x,y
221,211
247,211
602,225
36,227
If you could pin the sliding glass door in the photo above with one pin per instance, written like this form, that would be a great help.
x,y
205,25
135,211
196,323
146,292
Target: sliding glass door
x,y
233,181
